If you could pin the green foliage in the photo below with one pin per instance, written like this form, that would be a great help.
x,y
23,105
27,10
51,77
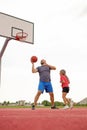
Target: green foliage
x,y
59,103
6,103
46,103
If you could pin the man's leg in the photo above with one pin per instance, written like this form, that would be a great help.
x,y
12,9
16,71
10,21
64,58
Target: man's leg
x,y
37,97
51,98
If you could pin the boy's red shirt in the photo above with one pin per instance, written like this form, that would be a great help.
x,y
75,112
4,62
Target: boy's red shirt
x,y
64,81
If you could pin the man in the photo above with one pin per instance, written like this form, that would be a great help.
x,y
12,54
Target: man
x,y
44,81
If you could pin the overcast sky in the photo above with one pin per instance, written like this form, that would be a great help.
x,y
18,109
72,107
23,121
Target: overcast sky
x,y
60,36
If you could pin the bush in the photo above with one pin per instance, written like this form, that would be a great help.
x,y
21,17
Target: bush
x,y
46,103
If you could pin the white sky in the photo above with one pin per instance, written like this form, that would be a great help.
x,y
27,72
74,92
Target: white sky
x,y
60,36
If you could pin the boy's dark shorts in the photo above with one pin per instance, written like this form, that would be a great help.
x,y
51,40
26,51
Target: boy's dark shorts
x,y
65,89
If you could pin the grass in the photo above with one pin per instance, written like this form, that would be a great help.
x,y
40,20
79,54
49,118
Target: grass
x,y
5,106
17,106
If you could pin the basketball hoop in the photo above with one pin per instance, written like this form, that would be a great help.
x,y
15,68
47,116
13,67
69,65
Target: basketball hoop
x,y
20,36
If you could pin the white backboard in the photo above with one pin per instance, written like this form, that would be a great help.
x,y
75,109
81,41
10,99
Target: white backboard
x,y
10,26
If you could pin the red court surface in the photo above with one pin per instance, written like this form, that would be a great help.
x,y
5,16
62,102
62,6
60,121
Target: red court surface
x,y
43,119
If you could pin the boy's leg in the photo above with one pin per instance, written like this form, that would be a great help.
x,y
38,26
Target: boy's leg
x,y
64,97
66,100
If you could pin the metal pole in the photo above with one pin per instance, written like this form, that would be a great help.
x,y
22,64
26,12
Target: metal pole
x,y
2,52
0,71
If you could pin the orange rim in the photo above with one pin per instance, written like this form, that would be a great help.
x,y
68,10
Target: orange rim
x,y
21,35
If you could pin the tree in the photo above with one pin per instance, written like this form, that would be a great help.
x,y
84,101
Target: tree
x,y
46,103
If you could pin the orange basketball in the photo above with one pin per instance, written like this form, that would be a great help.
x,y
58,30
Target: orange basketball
x,y
34,59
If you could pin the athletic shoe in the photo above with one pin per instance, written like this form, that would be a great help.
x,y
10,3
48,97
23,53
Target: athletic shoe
x,y
66,107
54,107
33,107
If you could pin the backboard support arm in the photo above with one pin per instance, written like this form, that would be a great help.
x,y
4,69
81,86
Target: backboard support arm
x,y
2,52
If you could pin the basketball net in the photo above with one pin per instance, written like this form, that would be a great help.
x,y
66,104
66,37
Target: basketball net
x,y
20,36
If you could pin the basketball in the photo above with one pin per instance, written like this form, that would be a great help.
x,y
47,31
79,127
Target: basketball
x,y
34,59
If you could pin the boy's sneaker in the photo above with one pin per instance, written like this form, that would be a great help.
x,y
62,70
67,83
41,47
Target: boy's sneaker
x,y
66,107
33,107
54,107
